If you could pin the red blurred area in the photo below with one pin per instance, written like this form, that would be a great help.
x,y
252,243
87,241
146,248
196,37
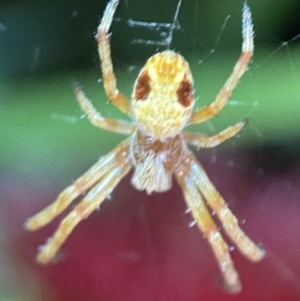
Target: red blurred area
x,y
140,247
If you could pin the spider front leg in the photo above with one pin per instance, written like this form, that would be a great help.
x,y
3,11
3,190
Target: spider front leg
x,y
210,231
88,179
219,206
204,141
109,79
96,119
240,68
90,202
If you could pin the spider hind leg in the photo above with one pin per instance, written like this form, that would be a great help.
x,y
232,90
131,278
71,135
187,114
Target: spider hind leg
x,y
206,224
90,202
229,222
82,184
106,173
195,184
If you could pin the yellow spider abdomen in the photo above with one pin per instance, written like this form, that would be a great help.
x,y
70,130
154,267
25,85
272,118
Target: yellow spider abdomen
x,y
163,95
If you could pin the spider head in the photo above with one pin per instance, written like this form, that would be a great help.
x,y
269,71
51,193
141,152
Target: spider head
x,y
163,95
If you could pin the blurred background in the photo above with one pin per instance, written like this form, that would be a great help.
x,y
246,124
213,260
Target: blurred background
x,y
140,247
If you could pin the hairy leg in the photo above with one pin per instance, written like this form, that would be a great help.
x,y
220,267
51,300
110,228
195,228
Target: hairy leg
x,y
204,141
210,231
96,119
89,203
109,79
115,158
227,218
240,68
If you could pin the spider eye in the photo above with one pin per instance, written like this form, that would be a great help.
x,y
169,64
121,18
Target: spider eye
x,y
142,87
185,93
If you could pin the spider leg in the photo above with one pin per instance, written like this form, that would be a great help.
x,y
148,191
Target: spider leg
x,y
220,208
210,231
90,202
96,119
204,141
240,68
93,175
109,79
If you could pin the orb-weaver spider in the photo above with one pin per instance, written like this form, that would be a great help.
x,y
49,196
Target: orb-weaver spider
x,y
161,107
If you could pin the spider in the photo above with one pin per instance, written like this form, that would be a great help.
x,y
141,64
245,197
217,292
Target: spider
x,y
161,107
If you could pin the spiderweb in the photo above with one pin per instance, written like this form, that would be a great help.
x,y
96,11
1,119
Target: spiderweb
x,y
269,95
266,154
257,171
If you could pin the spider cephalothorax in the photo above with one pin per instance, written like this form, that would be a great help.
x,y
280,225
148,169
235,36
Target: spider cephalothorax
x,y
161,106
163,95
